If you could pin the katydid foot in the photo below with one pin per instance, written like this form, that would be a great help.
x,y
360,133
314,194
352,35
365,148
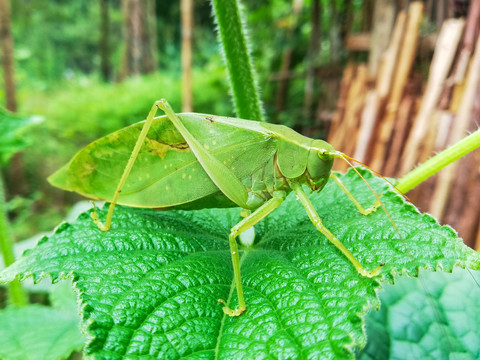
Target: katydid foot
x,y
96,219
232,312
370,273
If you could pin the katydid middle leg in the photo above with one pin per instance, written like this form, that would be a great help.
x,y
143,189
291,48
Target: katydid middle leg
x,y
247,223
315,219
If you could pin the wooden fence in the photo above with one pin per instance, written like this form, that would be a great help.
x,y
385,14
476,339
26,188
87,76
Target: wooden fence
x,y
391,119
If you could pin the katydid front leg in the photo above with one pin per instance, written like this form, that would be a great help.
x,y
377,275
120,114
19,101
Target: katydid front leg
x,y
359,206
138,145
315,219
244,225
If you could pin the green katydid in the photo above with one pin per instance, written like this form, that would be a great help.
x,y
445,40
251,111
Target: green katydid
x,y
194,160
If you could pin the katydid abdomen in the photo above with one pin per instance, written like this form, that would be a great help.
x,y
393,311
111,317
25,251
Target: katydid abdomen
x,y
196,160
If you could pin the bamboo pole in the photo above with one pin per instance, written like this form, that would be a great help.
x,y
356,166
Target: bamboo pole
x,y
8,62
187,59
461,63
384,83
282,87
337,120
471,29
477,241
355,104
384,17
463,207
312,58
405,113
367,125
445,50
405,63
461,124
427,145
376,98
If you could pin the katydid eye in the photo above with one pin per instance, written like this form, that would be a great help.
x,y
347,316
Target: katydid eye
x,y
324,154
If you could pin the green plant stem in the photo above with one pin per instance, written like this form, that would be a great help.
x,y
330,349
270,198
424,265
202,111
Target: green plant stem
x,y
17,294
240,69
438,162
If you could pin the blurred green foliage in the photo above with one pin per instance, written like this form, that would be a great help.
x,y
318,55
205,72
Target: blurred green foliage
x,y
12,128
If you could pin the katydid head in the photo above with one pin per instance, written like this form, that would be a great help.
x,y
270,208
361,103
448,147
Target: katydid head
x,y
319,163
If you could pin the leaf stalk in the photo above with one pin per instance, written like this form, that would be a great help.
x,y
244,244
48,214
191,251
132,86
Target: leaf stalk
x,y
17,294
438,162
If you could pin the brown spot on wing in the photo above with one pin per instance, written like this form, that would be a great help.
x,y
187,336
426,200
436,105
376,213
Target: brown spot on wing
x,y
161,149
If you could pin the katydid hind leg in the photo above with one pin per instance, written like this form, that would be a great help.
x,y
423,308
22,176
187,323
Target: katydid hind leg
x,y
317,222
243,226
133,156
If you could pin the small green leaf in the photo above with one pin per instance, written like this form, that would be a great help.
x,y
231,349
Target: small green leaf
x,y
411,320
39,332
149,286
11,140
63,298
36,332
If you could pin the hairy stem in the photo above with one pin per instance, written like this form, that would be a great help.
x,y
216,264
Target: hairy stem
x,y
233,38
438,162
17,294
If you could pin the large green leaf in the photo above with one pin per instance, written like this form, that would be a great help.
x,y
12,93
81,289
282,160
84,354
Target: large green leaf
x,y
149,286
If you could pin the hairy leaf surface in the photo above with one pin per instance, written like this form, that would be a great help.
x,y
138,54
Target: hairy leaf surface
x,y
149,286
